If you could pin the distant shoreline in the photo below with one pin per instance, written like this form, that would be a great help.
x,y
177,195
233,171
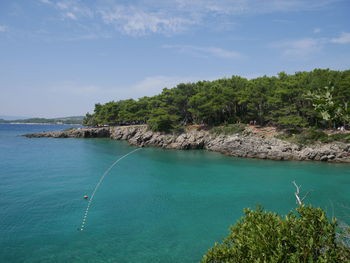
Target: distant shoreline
x,y
33,123
73,120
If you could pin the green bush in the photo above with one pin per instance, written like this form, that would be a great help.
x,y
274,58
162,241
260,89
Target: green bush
x,y
302,236
306,137
228,129
339,137
311,136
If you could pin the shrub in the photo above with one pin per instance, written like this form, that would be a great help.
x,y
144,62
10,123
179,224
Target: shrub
x,y
306,137
305,235
311,136
340,137
228,129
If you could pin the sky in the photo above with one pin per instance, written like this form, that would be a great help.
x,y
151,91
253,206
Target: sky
x,y
59,58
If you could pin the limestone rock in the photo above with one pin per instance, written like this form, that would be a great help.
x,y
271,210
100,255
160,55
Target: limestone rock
x,y
240,145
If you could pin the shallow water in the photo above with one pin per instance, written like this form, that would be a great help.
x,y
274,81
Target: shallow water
x,y
154,206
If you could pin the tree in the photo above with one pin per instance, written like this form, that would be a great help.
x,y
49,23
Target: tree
x,y
89,120
162,121
278,100
329,109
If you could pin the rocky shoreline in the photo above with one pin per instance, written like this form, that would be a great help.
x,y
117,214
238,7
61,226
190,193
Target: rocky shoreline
x,y
248,145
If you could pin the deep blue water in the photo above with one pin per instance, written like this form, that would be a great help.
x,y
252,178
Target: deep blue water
x,y
154,206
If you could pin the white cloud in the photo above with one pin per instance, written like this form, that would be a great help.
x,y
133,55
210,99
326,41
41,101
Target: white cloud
x,y
205,51
136,22
71,16
317,30
301,47
71,9
3,28
343,39
306,46
167,17
62,5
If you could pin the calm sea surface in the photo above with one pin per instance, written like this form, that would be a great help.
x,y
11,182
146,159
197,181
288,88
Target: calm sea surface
x,y
154,206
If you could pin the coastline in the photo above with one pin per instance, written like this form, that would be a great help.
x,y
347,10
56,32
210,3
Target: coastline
x,y
249,145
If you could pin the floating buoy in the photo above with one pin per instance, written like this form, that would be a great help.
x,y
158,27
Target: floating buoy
x,y
86,197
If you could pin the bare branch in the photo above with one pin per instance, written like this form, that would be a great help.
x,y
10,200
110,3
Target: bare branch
x,y
306,195
297,193
299,200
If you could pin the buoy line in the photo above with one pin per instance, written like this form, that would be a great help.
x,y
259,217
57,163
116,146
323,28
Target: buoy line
x,y
98,185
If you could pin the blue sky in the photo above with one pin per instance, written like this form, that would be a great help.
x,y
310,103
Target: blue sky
x,y
59,58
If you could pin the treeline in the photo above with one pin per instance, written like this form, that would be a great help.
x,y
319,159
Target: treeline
x,y
318,98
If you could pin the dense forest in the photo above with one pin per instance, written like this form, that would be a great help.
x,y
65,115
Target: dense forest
x,y
305,99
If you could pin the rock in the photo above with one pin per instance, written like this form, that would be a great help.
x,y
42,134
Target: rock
x,y
240,145
324,158
331,156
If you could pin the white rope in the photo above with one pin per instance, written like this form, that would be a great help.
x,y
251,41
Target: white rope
x,y
98,185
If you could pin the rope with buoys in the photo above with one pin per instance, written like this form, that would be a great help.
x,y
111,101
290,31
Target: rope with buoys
x,y
98,185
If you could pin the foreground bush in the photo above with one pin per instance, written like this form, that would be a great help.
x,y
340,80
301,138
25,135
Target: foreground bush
x,y
302,236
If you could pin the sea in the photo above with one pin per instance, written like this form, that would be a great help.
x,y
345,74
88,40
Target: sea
x,y
154,205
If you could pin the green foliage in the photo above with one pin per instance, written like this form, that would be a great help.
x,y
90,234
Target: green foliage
x,y
305,235
328,107
291,121
228,129
89,120
162,121
312,136
339,137
283,100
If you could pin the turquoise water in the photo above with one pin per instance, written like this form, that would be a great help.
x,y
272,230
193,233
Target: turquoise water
x,y
154,206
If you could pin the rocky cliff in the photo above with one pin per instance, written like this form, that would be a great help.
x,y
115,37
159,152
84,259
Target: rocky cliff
x,y
240,145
